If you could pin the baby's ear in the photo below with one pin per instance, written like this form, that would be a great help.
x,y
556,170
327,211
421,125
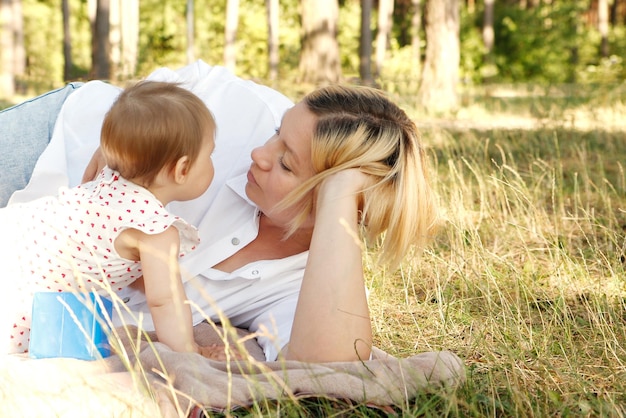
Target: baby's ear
x,y
181,169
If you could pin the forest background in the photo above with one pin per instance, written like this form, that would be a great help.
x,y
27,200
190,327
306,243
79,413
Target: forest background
x,y
521,104
47,42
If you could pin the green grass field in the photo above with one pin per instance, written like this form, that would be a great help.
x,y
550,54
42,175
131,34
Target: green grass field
x,y
525,280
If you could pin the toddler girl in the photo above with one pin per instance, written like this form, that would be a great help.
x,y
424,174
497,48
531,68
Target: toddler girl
x,y
101,236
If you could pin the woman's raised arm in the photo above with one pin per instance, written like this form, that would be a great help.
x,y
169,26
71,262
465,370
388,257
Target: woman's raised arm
x,y
332,321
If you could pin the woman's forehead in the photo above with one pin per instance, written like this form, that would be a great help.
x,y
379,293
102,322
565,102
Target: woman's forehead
x,y
299,121
296,131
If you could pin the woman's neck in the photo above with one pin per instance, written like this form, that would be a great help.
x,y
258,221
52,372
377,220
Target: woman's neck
x,y
298,242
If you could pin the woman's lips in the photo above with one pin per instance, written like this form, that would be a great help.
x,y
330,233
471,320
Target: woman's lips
x,y
251,178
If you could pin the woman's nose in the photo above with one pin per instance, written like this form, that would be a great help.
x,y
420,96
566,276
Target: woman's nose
x,y
260,157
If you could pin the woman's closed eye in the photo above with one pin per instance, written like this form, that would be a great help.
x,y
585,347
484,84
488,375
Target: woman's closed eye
x,y
281,161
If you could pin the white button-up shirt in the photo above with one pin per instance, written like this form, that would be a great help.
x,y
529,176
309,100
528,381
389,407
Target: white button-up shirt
x,y
260,296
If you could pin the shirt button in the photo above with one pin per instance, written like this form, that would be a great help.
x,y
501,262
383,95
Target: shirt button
x,y
255,272
126,299
234,241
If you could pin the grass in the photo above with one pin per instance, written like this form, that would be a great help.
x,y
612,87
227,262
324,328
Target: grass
x,y
526,279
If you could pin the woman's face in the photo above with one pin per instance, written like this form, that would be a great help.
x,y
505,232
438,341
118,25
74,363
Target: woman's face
x,y
282,163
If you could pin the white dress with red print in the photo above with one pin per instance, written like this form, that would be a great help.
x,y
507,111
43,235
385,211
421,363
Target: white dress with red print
x,y
66,243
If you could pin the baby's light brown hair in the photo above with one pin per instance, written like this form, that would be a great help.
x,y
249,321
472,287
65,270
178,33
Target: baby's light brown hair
x,y
151,126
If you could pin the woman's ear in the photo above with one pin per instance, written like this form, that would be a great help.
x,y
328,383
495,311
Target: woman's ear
x,y
181,169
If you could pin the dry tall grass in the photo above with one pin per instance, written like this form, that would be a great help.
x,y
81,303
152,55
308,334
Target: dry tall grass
x,y
526,280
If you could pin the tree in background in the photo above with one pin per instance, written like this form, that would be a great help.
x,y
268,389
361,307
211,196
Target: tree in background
x,y
365,44
12,54
272,38
19,54
437,92
124,38
319,59
385,11
416,39
603,27
488,33
7,77
189,13
67,41
101,44
230,34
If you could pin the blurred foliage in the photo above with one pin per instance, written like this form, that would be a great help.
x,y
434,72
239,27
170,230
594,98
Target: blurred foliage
x,y
43,36
548,44
162,31
551,44
544,53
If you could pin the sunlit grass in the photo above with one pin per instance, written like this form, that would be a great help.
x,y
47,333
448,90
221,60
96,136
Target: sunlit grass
x,y
526,279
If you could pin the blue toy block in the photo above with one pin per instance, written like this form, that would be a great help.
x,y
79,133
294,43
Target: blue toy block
x,y
68,324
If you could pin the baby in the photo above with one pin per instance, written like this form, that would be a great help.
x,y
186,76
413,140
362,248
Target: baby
x,y
101,236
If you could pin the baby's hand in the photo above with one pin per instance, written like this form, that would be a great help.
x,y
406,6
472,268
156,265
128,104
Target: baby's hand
x,y
218,352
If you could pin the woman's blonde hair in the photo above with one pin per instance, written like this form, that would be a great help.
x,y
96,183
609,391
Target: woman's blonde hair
x,y
359,127
150,126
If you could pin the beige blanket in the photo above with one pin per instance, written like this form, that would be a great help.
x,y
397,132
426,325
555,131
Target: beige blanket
x,y
151,380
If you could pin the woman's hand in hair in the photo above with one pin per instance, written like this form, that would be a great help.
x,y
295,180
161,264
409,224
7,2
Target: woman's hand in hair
x,y
344,183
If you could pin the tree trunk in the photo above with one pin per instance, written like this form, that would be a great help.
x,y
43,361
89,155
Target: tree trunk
x,y
101,45
603,27
191,56
385,11
319,59
230,33
123,38
115,38
67,41
130,37
19,51
614,9
272,38
7,49
416,39
488,33
365,44
440,75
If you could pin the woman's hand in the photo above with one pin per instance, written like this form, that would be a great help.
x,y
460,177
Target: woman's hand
x,y
96,164
345,182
